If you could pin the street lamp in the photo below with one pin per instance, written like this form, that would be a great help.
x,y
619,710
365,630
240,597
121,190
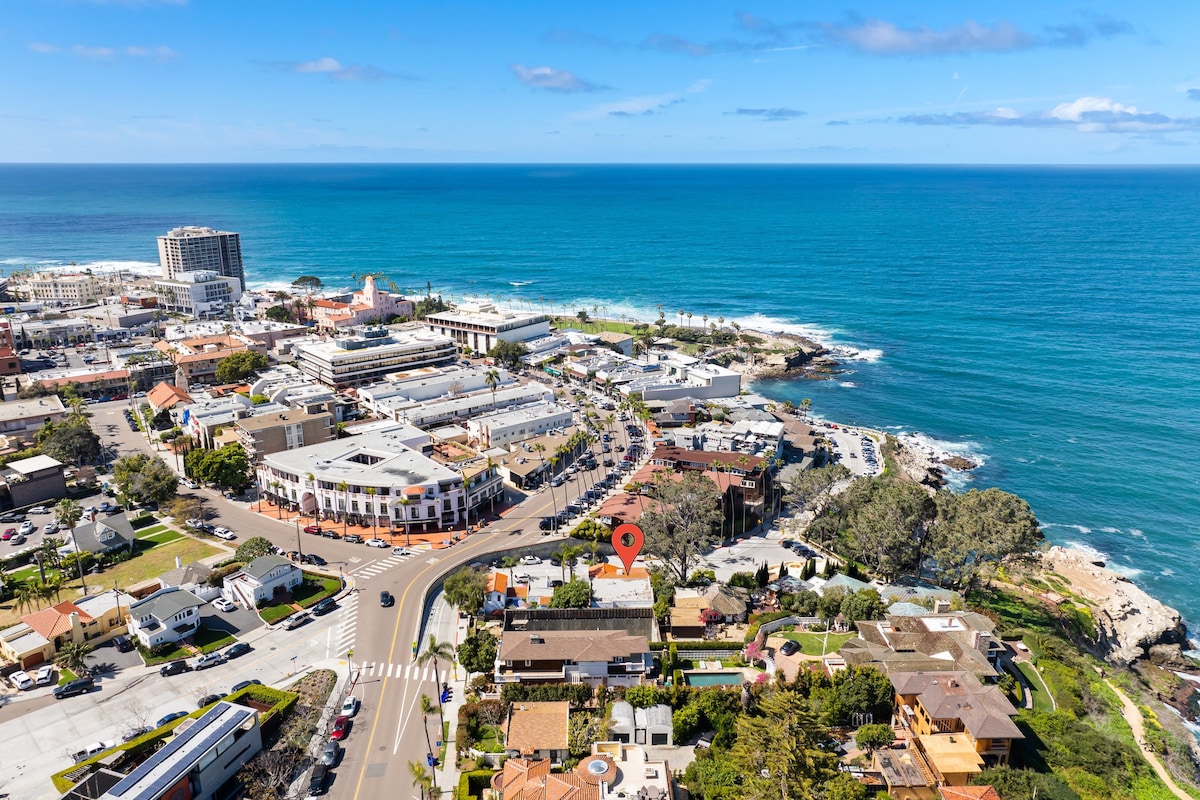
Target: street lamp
x,y
299,547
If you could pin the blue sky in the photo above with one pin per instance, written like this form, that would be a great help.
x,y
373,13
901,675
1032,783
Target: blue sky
x,y
581,81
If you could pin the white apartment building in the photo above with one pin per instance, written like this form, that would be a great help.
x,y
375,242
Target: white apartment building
x,y
683,376
193,248
68,288
505,427
428,383
380,476
480,325
372,354
202,294
459,409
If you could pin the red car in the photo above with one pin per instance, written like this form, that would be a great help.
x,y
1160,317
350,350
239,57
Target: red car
x,y
9,533
341,727
312,528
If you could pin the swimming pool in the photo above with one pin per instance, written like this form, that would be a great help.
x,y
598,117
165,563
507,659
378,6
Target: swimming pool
x,y
713,678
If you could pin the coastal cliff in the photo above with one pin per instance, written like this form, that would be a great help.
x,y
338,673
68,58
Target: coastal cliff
x,y
1130,624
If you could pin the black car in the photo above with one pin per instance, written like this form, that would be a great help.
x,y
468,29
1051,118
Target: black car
x,y
324,607
316,781
78,686
331,534
385,599
313,558
174,668
237,687
547,523
789,648
13,517
170,718
123,644
239,649
209,699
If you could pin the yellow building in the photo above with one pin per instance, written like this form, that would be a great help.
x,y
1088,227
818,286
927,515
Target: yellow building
x,y
38,636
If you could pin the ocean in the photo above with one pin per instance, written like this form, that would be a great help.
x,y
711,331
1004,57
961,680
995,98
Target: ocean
x,y
1045,321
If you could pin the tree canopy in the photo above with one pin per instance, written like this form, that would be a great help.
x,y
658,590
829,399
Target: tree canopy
x,y
976,530
477,652
508,353
143,478
886,533
572,594
227,468
310,282
682,521
278,314
71,442
465,590
252,548
237,367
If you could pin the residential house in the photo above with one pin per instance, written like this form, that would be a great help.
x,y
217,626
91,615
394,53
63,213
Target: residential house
x,y
613,770
929,643
167,397
38,636
538,730
498,592
955,725
652,726
612,658
103,535
262,580
165,617
695,613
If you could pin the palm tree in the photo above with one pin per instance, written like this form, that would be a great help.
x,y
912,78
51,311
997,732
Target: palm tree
x,y
371,492
404,504
420,778
67,514
565,553
427,710
806,406
492,379
25,595
74,656
689,316
344,488
433,652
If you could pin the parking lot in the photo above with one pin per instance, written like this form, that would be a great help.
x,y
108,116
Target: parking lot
x,y
747,555
11,526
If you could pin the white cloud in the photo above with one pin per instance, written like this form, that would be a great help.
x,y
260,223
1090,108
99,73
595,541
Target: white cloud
x,y
41,47
881,37
158,53
644,105
336,70
1084,114
552,80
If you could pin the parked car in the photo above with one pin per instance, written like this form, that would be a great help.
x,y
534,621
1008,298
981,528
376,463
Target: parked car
x,y
237,687
313,558
316,781
224,533
330,534
296,620
208,660
235,650
39,510
191,484
376,543
134,733
385,599
530,560
17,539
174,668
123,643
209,699
169,718
790,648
78,686
341,728
21,680
221,604
8,534
331,754
312,528
353,538
27,528
349,706
45,675
323,607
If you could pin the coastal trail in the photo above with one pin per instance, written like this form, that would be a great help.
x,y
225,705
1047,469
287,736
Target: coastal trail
x,y
1133,716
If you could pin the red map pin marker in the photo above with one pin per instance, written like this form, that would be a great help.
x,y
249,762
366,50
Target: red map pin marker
x,y
627,540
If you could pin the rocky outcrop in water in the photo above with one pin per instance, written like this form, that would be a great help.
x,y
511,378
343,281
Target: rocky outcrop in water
x,y
1131,624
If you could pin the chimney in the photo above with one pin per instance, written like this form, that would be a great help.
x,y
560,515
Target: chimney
x,y
941,606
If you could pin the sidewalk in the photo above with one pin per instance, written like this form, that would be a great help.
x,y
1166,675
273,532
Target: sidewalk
x,y
447,772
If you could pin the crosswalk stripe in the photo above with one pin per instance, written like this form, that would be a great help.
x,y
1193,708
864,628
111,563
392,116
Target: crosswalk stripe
x,y
407,672
370,669
425,675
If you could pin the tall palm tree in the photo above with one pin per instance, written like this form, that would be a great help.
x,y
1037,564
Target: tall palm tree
x,y
565,553
371,492
404,504
74,656
806,406
681,312
420,778
435,651
67,514
344,488
428,709
689,316
25,594
492,379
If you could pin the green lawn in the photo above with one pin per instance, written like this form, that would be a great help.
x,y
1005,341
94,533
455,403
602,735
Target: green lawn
x,y
271,614
814,644
209,640
65,676
315,588
1041,697
492,741
146,532
153,562
173,654
160,538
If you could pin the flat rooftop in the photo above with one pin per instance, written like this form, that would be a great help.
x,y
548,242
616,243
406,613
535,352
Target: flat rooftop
x,y
372,458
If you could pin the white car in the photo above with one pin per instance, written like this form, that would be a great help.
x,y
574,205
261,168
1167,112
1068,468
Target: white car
x,y
27,528
45,675
224,533
530,560
39,510
349,706
221,604
375,543
50,528
189,483
21,680
401,551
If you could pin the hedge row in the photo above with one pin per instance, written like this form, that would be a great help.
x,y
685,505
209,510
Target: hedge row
x,y
685,646
472,784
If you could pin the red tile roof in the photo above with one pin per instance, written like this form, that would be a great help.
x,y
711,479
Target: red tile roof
x,y
55,620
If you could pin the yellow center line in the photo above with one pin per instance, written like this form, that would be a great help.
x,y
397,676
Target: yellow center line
x,y
383,689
